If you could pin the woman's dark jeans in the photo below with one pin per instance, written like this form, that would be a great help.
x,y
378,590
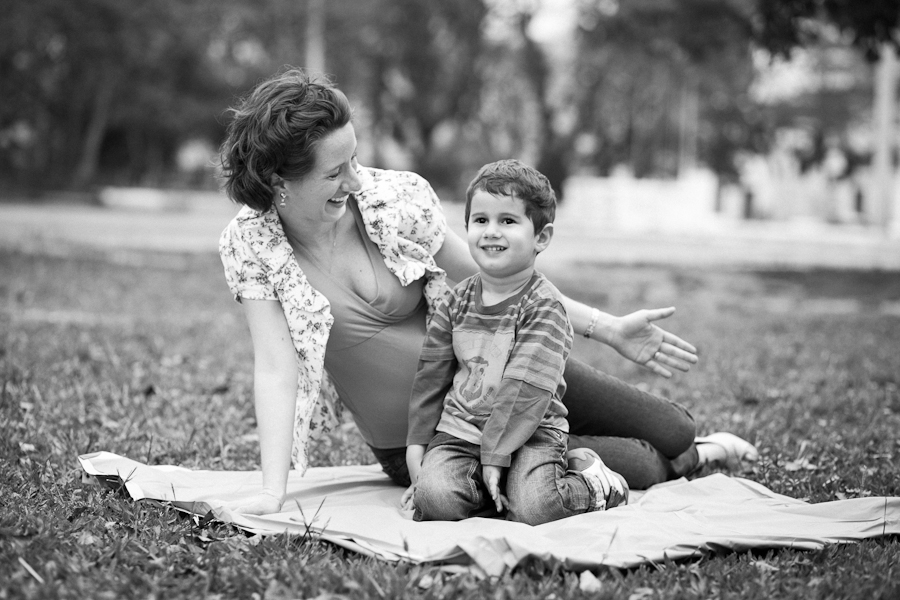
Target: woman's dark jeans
x,y
393,462
644,438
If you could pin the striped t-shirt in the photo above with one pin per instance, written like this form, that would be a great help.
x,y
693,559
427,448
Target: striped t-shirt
x,y
491,375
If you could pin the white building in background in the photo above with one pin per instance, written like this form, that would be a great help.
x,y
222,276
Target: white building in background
x,y
624,203
774,188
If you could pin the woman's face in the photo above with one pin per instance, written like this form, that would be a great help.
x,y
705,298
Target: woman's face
x,y
321,195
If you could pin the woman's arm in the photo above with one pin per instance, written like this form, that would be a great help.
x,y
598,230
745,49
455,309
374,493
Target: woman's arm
x,y
454,258
275,392
634,336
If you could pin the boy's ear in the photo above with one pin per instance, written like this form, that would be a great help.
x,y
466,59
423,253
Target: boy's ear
x,y
543,237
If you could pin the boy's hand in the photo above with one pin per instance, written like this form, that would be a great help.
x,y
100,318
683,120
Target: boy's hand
x,y
414,456
406,500
490,474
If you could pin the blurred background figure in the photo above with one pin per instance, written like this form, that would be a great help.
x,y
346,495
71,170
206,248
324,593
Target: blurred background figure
x,y
647,115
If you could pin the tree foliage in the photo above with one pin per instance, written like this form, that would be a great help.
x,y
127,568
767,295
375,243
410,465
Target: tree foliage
x,y
413,63
103,91
101,78
664,83
785,24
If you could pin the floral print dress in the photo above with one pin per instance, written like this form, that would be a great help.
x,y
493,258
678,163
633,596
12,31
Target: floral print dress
x,y
402,216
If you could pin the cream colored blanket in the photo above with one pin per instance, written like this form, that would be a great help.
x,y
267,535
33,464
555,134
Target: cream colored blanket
x,y
357,507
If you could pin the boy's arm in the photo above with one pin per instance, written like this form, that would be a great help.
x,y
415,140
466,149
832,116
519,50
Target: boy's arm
x,y
531,377
514,418
434,376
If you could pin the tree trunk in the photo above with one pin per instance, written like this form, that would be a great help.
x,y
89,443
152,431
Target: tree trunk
x,y
688,124
885,134
96,129
553,147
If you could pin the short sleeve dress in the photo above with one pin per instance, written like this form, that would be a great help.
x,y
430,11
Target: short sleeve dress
x,y
402,217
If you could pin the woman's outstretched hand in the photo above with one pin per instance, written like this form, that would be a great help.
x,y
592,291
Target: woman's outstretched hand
x,y
637,338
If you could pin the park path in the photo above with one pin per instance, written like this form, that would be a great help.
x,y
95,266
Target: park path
x,y
64,229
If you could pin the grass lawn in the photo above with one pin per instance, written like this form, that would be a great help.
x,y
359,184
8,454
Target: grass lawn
x,y
149,358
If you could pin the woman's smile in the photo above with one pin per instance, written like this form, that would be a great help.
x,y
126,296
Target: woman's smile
x,y
321,196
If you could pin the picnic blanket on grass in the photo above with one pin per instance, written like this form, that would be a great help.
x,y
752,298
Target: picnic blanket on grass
x,y
358,507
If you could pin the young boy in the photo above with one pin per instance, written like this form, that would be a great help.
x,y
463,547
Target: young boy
x,y
486,398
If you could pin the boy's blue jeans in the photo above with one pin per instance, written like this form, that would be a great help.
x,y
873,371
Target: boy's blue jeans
x,y
450,486
645,438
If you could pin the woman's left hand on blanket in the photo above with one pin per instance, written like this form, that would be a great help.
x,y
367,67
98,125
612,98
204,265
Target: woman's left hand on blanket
x,y
637,338
257,504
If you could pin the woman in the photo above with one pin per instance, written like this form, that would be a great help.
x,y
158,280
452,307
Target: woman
x,y
338,266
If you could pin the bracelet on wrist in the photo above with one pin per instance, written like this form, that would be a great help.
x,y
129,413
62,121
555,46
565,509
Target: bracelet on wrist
x,y
595,316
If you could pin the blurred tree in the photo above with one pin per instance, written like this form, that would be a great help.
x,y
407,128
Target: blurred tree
x,y
663,84
414,64
873,27
786,24
101,81
552,143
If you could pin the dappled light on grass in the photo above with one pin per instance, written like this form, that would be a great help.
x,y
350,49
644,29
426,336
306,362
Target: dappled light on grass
x,y
158,367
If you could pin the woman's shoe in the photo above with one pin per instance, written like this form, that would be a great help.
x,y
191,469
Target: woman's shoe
x,y
731,452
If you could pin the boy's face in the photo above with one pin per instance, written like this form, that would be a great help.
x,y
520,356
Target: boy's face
x,y
501,237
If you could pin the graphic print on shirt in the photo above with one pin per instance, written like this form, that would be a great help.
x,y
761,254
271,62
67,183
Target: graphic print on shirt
x,y
482,359
471,387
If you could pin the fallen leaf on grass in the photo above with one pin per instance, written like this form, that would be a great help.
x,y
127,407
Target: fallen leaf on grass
x,y
764,566
85,538
801,464
641,593
427,581
588,583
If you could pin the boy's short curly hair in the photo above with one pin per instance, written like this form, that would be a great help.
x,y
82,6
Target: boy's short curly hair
x,y
275,131
514,178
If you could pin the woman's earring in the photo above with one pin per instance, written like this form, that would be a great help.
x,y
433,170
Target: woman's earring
x,y
283,198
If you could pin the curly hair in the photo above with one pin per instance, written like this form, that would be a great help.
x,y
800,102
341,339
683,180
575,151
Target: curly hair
x,y
514,178
275,130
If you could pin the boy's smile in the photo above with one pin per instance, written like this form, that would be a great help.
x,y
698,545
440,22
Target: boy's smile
x,y
501,237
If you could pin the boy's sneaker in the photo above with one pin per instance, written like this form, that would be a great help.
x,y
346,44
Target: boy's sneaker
x,y
610,489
